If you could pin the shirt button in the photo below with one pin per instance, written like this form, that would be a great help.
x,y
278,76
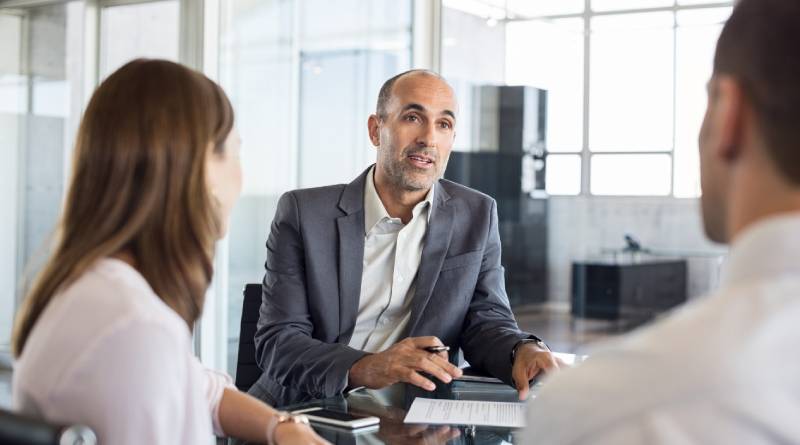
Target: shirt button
x,y
400,278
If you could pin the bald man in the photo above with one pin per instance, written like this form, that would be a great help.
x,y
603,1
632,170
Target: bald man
x,y
367,283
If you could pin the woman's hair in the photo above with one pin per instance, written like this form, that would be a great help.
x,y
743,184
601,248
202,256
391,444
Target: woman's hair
x,y
139,186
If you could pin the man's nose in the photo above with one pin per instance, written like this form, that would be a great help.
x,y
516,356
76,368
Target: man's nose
x,y
427,136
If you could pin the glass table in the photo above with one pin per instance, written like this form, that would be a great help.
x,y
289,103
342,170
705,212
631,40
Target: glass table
x,y
392,430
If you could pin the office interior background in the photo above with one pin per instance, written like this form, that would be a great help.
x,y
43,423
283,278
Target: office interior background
x,y
605,143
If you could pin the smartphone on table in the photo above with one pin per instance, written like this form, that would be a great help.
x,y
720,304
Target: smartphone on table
x,y
338,418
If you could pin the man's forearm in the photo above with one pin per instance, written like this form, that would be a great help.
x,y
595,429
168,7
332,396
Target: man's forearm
x,y
304,363
354,375
494,357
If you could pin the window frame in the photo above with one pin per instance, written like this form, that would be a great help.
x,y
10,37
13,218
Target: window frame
x,y
586,153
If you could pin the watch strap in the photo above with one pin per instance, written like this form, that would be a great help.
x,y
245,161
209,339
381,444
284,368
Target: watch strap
x,y
531,339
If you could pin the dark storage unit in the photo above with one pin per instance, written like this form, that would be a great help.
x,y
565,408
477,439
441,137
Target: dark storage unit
x,y
639,290
508,164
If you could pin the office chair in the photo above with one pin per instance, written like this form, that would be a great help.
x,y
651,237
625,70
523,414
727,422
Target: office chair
x,y
18,429
247,370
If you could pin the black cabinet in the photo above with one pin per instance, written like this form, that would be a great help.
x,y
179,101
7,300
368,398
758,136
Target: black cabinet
x,y
613,291
506,161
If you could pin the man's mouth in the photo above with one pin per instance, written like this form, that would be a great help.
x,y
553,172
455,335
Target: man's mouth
x,y
421,161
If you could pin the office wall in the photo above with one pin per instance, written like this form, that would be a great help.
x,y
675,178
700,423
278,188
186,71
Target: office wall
x,y
12,101
40,75
42,160
580,227
43,187
8,235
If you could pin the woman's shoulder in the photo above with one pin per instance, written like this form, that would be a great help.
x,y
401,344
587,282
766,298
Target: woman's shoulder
x,y
112,291
111,295
106,323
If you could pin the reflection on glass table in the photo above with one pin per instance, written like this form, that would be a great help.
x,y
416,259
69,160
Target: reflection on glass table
x,y
393,430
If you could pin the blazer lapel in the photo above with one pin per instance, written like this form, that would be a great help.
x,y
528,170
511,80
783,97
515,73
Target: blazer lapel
x,y
351,255
437,241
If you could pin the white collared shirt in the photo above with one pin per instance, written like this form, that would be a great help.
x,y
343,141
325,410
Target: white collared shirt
x,y
108,353
722,370
392,253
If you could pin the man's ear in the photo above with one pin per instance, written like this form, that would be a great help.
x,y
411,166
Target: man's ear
x,y
729,114
374,127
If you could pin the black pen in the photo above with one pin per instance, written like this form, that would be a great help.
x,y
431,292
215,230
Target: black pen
x,y
435,349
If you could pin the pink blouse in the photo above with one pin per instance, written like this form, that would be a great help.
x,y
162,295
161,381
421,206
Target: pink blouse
x,y
108,353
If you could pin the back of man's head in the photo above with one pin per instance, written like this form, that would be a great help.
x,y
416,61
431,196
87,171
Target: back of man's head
x,y
759,48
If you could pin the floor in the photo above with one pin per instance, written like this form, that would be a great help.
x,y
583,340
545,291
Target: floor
x,y
564,333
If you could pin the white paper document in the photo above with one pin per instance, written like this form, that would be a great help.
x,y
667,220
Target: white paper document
x,y
466,412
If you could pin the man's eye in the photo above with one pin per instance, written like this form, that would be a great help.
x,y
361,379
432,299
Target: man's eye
x,y
411,118
446,125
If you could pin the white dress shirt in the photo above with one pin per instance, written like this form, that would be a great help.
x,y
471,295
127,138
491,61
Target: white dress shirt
x,y
108,353
392,253
721,370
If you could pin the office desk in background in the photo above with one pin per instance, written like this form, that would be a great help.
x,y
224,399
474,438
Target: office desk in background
x,y
392,430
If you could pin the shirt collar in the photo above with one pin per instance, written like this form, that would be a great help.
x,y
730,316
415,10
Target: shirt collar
x,y
768,248
375,212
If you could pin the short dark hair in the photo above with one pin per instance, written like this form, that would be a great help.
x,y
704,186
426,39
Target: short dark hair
x,y
758,47
385,94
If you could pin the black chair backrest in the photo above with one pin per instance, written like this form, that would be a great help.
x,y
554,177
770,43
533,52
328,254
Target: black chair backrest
x,y
247,370
18,429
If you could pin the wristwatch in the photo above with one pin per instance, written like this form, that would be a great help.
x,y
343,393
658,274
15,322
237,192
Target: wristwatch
x,y
532,339
282,417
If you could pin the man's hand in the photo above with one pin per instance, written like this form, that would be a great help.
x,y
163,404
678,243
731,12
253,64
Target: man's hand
x,y
531,360
402,363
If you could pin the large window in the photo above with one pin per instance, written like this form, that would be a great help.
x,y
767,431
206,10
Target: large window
x,y
625,83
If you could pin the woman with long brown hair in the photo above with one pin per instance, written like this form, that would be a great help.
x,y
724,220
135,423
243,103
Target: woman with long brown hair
x,y
104,336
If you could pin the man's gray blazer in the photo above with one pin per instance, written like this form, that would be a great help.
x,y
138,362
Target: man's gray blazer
x,y
312,284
